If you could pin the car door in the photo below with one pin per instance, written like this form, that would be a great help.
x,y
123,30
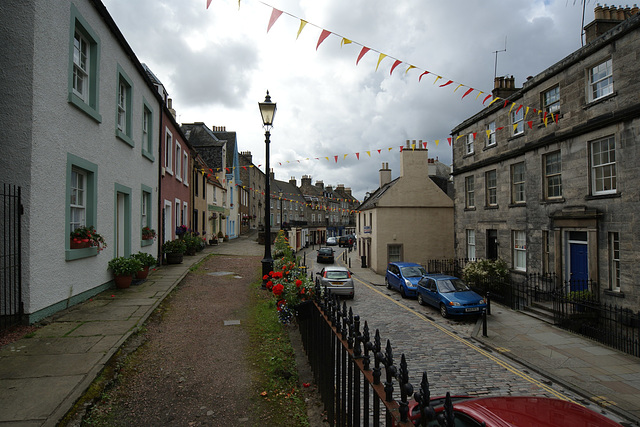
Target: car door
x,y
394,277
432,293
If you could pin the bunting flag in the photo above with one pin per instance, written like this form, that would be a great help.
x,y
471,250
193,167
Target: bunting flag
x,y
423,74
345,41
275,14
467,93
410,67
380,58
395,64
208,3
362,53
323,36
447,84
302,24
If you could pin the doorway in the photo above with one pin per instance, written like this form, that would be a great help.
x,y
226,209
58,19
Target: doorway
x,y
578,260
492,244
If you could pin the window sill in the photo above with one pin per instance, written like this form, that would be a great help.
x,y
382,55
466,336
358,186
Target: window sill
x,y
491,207
552,201
146,242
73,254
603,196
489,147
615,294
76,101
148,155
473,208
125,138
600,100
518,205
514,137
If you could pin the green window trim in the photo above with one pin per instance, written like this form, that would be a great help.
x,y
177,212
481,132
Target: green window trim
x,y
127,135
147,146
146,190
91,108
91,170
119,188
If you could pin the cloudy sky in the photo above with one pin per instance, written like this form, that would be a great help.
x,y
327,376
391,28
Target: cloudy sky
x,y
218,63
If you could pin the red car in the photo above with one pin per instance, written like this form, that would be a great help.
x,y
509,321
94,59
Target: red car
x,y
511,411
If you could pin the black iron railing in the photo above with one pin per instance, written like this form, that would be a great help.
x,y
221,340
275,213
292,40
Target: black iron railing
x,y
11,307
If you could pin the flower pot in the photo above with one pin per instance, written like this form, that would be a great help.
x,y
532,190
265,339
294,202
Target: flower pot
x,y
174,258
142,274
79,245
123,282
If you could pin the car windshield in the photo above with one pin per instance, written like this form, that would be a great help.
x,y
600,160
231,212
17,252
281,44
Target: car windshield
x,y
337,275
413,271
325,251
452,285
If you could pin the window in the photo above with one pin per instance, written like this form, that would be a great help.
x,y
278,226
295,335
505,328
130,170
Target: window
x,y
519,251
517,183
471,245
546,251
600,80
168,150
124,109
491,134
469,183
491,188
603,166
147,131
185,167
81,202
146,211
178,168
469,143
84,60
395,253
177,213
517,122
552,175
551,101
614,262
185,213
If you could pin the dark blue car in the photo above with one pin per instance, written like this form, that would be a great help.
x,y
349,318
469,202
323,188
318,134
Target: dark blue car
x,y
450,295
404,277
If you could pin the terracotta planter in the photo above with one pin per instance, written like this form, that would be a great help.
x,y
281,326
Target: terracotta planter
x,y
123,282
142,274
174,258
79,245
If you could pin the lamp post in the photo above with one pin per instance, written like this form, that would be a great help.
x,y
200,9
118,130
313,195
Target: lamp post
x,y
280,194
268,112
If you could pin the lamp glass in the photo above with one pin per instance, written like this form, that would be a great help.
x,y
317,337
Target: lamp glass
x,y
268,110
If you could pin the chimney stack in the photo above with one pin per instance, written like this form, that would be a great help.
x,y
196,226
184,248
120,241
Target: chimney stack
x,y
605,18
385,174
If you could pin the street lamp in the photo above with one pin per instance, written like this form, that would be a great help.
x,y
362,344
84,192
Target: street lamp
x,y
268,112
280,194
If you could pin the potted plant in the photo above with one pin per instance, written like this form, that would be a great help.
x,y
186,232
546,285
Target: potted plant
x,y
123,270
181,231
86,237
174,250
147,261
148,233
220,236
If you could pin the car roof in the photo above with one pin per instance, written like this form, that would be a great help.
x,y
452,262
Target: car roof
x,y
405,264
439,276
335,268
531,411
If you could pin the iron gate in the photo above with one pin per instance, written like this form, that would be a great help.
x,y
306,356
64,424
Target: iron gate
x,y
11,308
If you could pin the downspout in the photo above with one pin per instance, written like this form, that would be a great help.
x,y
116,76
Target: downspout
x,y
160,200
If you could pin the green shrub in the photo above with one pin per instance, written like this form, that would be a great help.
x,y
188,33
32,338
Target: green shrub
x,y
481,269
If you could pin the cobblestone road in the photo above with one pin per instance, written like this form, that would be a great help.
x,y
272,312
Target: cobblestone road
x,y
442,347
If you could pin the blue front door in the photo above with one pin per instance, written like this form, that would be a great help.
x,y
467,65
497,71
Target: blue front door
x,y
579,273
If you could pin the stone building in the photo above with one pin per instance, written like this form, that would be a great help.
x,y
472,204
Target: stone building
x,y
546,177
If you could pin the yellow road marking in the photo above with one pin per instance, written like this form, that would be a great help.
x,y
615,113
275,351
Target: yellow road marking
x,y
603,401
488,355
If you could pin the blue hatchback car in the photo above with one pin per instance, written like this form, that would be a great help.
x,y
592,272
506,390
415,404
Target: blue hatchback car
x,y
450,295
404,277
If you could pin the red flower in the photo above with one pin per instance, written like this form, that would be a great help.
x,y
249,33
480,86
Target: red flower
x,y
265,277
277,289
279,304
269,284
298,283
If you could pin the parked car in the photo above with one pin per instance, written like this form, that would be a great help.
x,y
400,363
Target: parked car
x,y
332,241
404,277
509,411
346,241
337,280
325,255
450,295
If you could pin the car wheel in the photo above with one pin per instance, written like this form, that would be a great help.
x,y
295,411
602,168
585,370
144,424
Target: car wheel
x,y
386,282
443,310
420,300
403,293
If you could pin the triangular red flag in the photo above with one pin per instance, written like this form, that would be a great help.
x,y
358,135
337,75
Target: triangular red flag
x,y
423,74
530,123
358,156
555,117
336,157
275,14
467,93
447,83
362,53
401,147
395,64
379,151
425,145
506,101
228,170
485,99
449,139
323,36
518,108
208,3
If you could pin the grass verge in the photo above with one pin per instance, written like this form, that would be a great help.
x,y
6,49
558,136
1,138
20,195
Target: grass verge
x,y
279,398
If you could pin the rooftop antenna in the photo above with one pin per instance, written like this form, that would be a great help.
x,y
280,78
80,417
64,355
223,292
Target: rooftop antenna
x,y
495,69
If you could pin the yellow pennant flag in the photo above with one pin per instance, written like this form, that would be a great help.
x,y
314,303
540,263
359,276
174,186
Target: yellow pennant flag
x,y
458,137
344,41
390,148
488,133
526,112
369,153
458,87
302,24
413,147
437,142
437,78
327,158
345,156
545,121
478,95
515,127
409,68
494,100
513,104
380,58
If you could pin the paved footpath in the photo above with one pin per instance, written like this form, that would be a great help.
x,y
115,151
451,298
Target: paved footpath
x,y
520,356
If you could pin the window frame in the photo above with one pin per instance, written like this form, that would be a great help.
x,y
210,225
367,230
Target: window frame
x,y
491,188
547,176
185,167
610,165
555,101
147,131
491,134
614,261
471,244
519,249
91,203
124,107
593,85
89,102
517,119
168,151
146,201
469,148
518,181
178,161
469,192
